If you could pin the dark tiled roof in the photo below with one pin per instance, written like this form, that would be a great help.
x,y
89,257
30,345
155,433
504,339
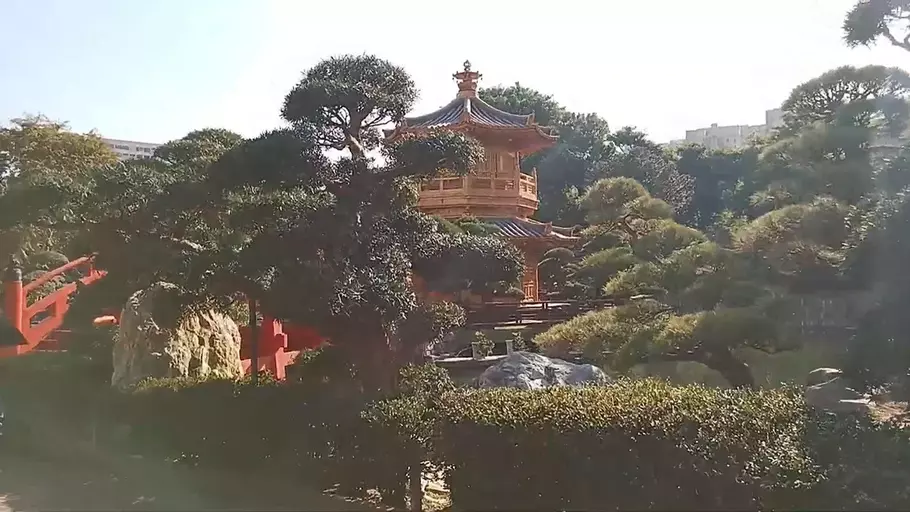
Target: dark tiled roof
x,y
478,112
525,228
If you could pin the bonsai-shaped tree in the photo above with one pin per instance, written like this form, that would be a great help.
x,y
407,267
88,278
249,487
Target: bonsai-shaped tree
x,y
324,241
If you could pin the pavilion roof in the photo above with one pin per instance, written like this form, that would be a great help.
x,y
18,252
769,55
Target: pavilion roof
x,y
468,111
515,227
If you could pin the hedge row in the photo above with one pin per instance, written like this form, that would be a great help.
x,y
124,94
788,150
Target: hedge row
x,y
648,445
270,427
632,445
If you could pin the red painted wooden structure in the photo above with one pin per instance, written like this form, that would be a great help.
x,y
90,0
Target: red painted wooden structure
x,y
278,344
37,321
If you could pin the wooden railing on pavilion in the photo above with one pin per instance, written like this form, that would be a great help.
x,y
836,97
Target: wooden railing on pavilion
x,y
482,183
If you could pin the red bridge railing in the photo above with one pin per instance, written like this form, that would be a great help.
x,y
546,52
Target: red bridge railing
x,y
37,321
279,345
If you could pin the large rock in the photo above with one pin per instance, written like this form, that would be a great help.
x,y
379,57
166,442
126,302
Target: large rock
x,y
525,370
828,391
201,345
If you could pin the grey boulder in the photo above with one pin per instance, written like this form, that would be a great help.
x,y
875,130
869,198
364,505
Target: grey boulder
x,y
526,370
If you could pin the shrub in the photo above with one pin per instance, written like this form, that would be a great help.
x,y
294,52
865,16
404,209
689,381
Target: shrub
x,y
864,462
484,344
518,342
634,445
405,425
317,425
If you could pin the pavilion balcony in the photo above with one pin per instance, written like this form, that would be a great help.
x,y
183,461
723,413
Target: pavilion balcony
x,y
482,185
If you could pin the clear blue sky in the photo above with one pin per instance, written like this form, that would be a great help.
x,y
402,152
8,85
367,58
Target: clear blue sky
x,y
152,71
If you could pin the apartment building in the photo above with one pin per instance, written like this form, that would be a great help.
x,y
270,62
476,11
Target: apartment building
x,y
129,149
735,136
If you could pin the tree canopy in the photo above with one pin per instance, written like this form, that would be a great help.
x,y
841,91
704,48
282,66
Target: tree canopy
x,y
871,20
704,246
318,241
35,150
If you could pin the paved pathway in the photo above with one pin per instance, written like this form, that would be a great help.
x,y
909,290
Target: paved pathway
x,y
28,485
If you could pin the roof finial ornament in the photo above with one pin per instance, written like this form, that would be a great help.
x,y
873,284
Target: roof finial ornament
x,y
467,81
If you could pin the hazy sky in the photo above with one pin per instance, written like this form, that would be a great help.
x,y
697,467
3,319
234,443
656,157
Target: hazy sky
x,y
154,70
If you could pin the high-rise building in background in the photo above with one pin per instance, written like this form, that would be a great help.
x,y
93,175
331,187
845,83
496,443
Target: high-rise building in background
x,y
738,136
732,137
128,149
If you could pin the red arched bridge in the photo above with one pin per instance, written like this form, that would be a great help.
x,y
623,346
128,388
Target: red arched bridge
x,y
278,344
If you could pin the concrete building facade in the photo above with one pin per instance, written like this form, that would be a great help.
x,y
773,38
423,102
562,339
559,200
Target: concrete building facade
x,y
129,149
735,136
730,137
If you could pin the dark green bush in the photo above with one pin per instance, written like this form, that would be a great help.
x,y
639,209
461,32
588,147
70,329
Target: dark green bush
x,y
310,425
631,446
865,463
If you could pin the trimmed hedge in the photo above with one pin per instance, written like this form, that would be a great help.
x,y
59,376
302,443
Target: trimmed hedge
x,y
270,427
641,444
630,446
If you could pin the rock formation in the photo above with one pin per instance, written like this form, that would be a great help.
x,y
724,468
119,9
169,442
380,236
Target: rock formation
x,y
201,345
525,370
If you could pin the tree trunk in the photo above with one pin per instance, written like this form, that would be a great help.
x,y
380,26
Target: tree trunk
x,y
735,371
415,485
376,365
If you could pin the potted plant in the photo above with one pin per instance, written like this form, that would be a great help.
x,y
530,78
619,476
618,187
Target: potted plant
x,y
481,346
517,342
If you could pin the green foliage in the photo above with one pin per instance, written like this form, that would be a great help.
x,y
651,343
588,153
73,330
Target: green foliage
x,y
663,446
802,244
518,342
663,239
323,368
722,180
37,264
219,216
821,159
474,226
35,145
870,20
483,343
615,200
850,94
426,381
658,447
634,156
428,324
863,462
337,437
707,305
480,264
630,228
36,152
197,149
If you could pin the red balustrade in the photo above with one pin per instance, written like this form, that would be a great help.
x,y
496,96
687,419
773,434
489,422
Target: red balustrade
x,y
279,345
27,317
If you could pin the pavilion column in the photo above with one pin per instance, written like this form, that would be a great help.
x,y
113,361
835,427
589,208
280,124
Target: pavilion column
x,y
529,280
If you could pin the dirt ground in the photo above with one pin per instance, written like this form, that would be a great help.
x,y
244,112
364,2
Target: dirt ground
x,y
28,485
